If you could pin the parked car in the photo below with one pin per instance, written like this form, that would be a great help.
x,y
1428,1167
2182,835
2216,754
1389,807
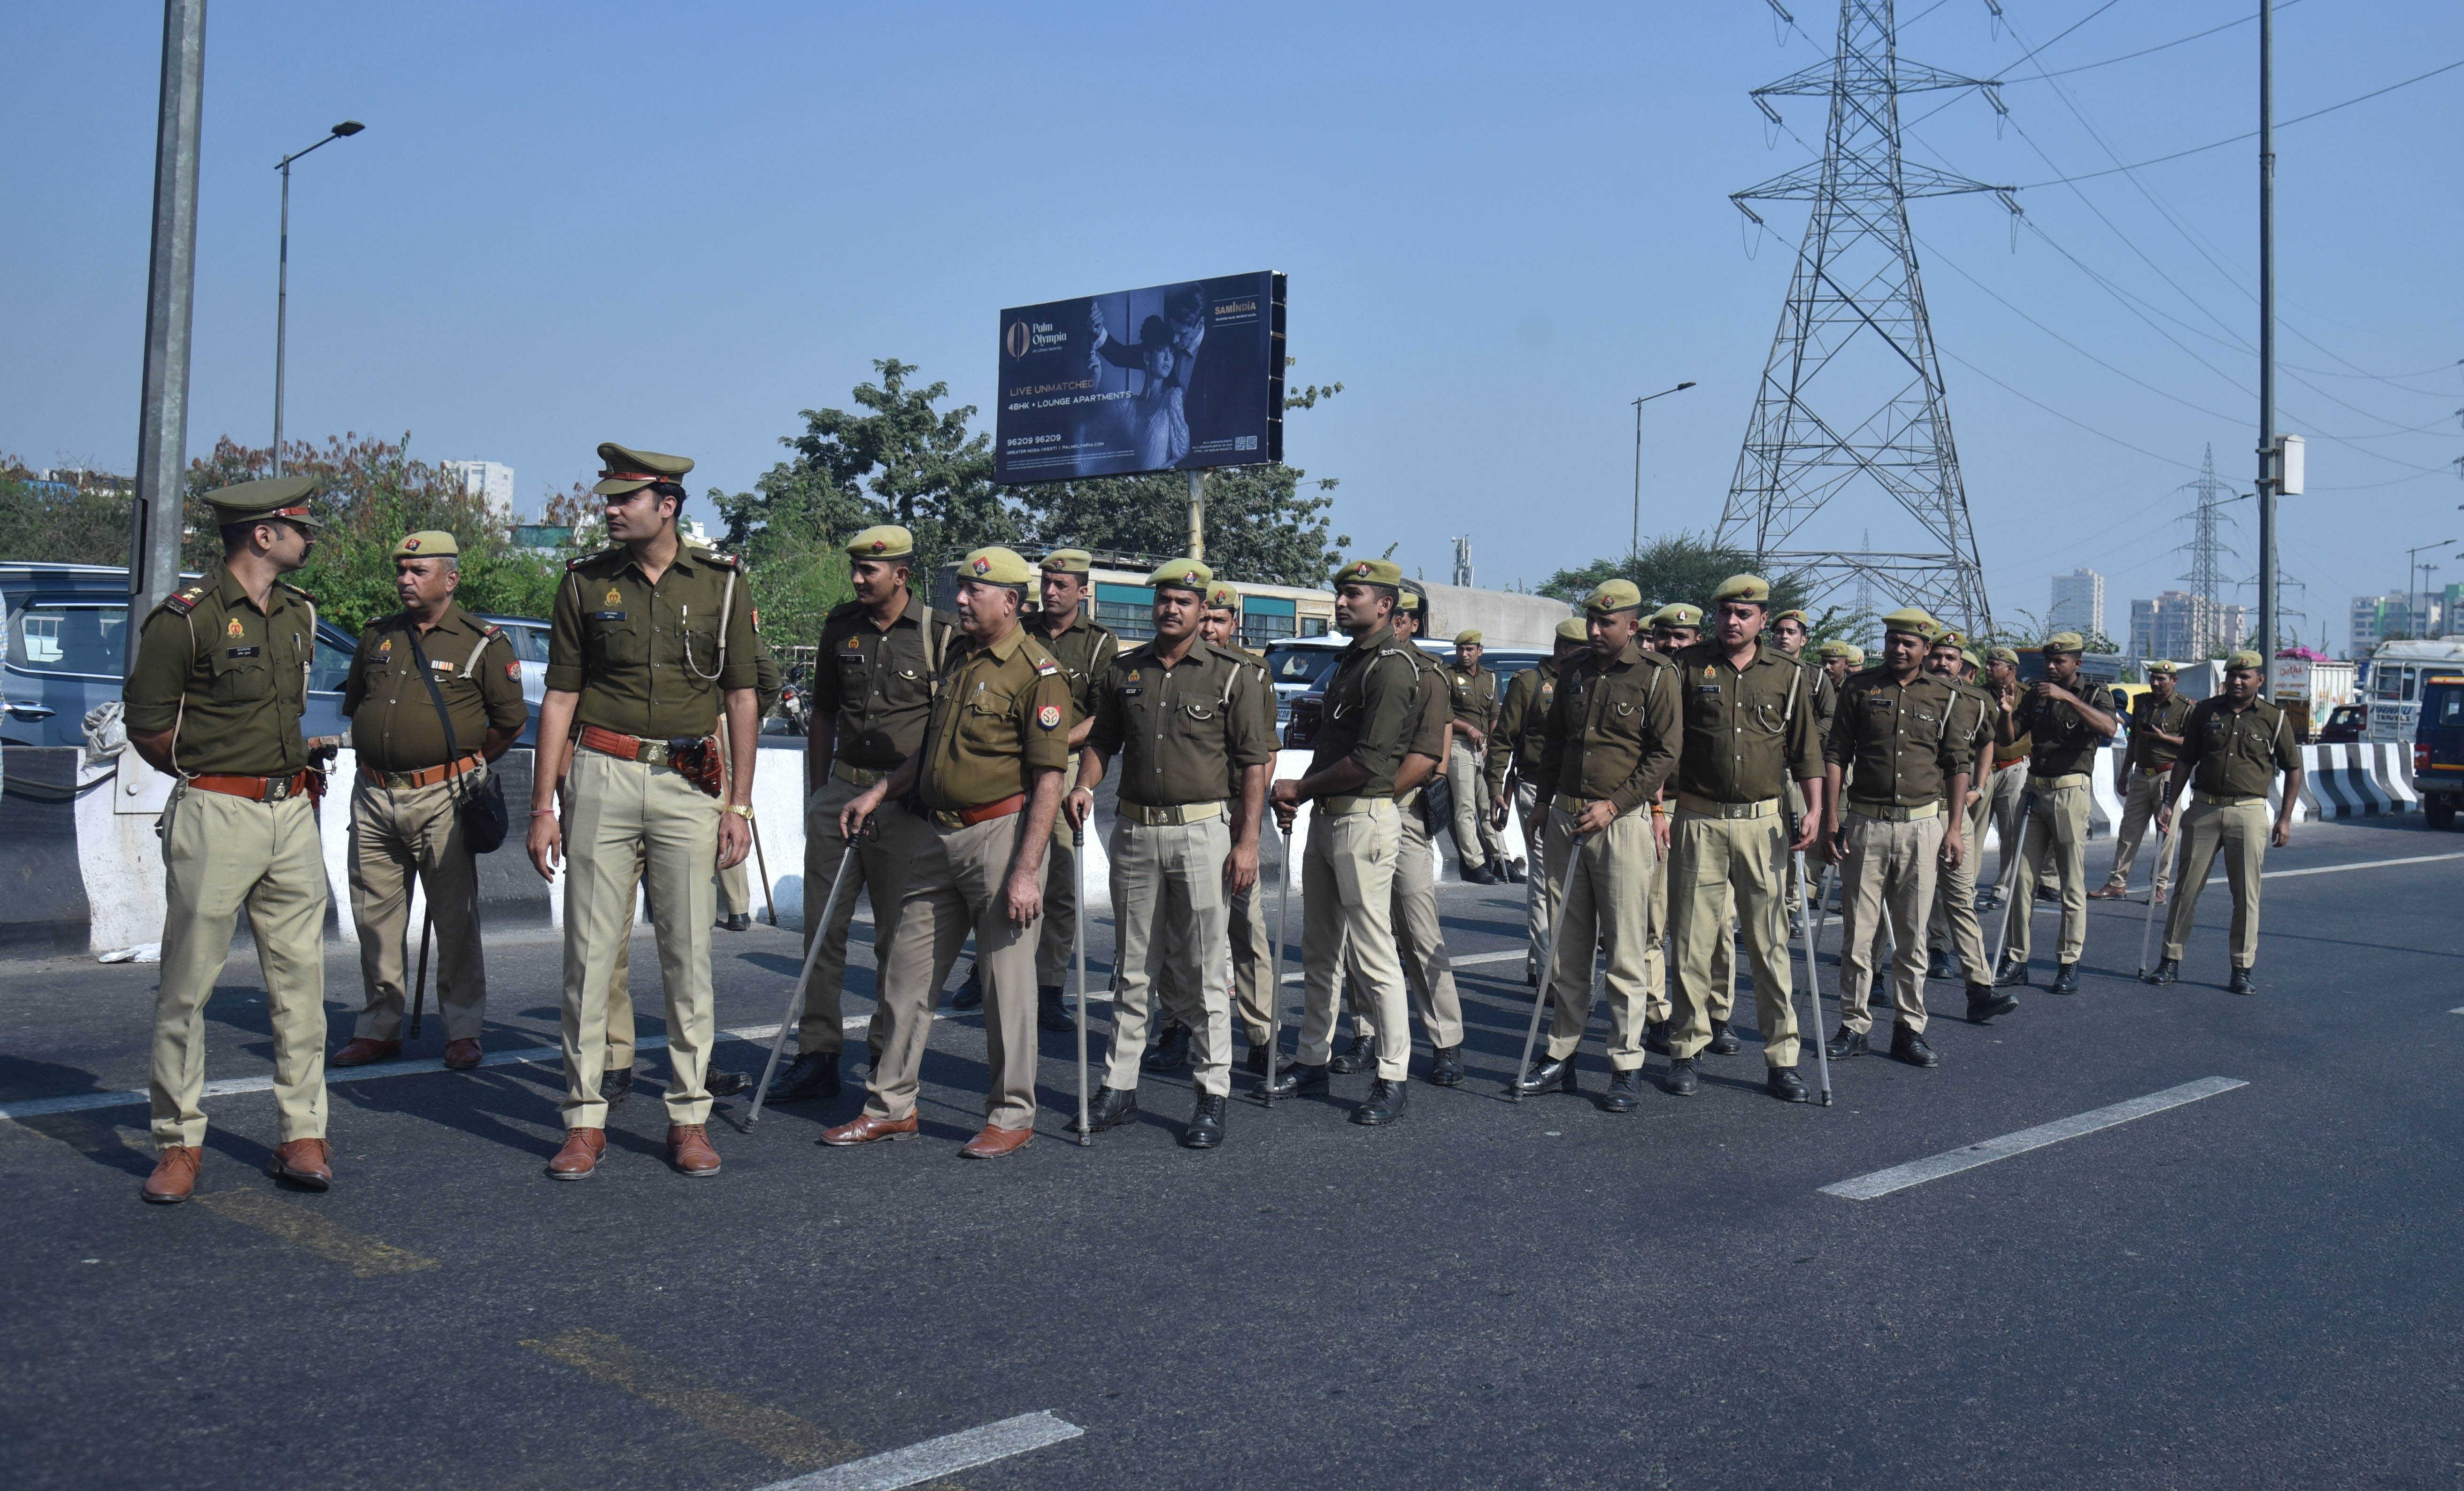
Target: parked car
x,y
1296,665
2439,749
2346,724
1309,710
529,638
67,639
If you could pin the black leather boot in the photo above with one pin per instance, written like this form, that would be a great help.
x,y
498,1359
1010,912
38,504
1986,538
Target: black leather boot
x,y
1205,1129
812,1074
1387,1099
1297,1081
2168,971
2013,975
1549,1074
1171,1053
1360,1056
1985,1001
1724,1040
971,993
2240,983
1051,1010
1906,1046
1624,1095
2066,979
616,1086
1111,1109
1845,1043
1784,1085
1938,964
720,1082
1680,1081
1654,1037
1445,1067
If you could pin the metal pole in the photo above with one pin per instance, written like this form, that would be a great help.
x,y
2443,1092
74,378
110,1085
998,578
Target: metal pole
x,y
1078,874
1813,970
170,299
2268,474
1275,985
1198,516
820,931
419,986
763,866
1548,974
2155,878
1635,545
281,313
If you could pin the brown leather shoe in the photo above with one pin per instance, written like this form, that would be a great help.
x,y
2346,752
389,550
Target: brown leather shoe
x,y
460,1055
304,1162
2107,894
579,1155
689,1149
363,1052
995,1141
869,1130
175,1174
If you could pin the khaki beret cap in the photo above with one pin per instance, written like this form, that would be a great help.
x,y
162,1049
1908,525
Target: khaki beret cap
x,y
428,544
1469,637
1573,629
1742,587
1973,661
1837,648
2245,658
2009,655
627,470
1913,622
1409,599
997,566
1181,574
1792,613
882,541
2157,665
251,501
2066,641
1373,572
1678,614
1067,562
1612,596
1223,597
1950,638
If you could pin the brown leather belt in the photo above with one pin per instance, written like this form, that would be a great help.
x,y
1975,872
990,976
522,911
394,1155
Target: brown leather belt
x,y
427,776
969,817
257,789
2225,798
1892,812
856,777
632,747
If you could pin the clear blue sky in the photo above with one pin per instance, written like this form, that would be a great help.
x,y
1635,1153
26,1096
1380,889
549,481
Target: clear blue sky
x,y
677,227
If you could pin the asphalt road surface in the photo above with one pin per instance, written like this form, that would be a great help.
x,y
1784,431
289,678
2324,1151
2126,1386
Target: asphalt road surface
x,y
2255,1286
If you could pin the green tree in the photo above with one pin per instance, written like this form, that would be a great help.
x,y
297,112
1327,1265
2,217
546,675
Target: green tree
x,y
375,492
1682,567
52,522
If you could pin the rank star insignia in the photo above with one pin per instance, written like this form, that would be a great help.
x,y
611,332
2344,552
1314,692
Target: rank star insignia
x,y
615,597
232,627
1048,716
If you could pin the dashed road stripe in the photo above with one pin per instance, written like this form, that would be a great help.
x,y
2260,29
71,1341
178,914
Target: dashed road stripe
x,y
933,1458
368,1258
1916,1172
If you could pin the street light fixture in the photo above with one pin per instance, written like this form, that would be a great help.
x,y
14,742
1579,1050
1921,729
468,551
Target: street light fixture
x,y
282,279
2410,615
1635,546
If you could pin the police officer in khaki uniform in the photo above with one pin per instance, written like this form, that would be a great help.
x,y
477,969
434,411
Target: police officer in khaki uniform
x,y
649,640
987,781
2066,718
1063,628
2010,783
2156,721
1514,746
1898,727
1348,871
1749,721
2232,748
1954,925
1472,691
1610,744
872,687
1789,631
1675,627
214,698
1183,716
428,661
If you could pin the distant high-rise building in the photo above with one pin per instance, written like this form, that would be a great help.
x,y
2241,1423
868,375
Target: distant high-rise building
x,y
2375,619
2078,603
2182,627
491,480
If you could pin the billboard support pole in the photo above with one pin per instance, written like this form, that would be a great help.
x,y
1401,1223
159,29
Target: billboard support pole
x,y
170,286
1198,516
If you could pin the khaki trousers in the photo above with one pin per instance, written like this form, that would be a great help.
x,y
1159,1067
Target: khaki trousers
x,y
1420,947
735,888
1347,885
1955,924
396,834
2138,809
1059,938
1539,881
631,823
1657,1006
1169,913
1253,957
1711,861
1476,844
2057,830
894,841
957,885
1889,873
2239,834
1605,890
2010,790
221,853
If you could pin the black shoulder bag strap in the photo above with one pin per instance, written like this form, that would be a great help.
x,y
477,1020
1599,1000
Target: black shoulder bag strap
x,y
481,808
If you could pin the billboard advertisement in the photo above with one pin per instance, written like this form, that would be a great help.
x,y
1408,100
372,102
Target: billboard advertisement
x,y
1168,378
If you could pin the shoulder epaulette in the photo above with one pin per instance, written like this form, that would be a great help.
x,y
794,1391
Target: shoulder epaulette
x,y
713,556
592,558
185,600
295,590
490,630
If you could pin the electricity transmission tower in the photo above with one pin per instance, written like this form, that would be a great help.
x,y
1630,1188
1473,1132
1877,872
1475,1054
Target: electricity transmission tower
x,y
1851,405
2207,551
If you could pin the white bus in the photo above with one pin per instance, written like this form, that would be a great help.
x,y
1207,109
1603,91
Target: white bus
x,y
2393,691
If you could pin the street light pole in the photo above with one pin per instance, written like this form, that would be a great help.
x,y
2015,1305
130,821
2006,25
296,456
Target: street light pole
x,y
2269,458
1636,545
282,276
170,295
2411,567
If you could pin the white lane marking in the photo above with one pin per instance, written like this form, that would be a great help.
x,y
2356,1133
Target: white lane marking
x,y
2331,869
1469,961
934,1459
1916,1172
228,1085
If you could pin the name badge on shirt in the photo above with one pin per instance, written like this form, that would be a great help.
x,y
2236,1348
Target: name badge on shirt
x,y
242,651
606,616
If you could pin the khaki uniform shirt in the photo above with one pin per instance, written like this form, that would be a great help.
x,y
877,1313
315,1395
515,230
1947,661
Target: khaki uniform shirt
x,y
1370,716
394,726
2238,753
1747,730
1433,711
1003,710
2148,753
234,679
1084,650
1264,698
1974,716
645,658
879,683
1181,732
1474,695
2061,742
1899,741
1522,726
1613,729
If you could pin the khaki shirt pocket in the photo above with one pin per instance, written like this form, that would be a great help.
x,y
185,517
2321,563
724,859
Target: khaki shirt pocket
x,y
611,640
988,724
241,680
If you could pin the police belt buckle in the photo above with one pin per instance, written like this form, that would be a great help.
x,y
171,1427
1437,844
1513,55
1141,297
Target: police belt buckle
x,y
1572,807
1173,816
1338,806
2224,800
279,788
1893,813
856,777
2058,783
1705,807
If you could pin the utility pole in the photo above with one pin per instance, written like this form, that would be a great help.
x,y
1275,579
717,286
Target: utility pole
x,y
170,301
1198,516
2269,458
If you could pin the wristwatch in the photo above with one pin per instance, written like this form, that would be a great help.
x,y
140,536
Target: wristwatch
x,y
740,810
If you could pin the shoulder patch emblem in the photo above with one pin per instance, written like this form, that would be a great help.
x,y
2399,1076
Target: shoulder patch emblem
x,y
514,672
1048,716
